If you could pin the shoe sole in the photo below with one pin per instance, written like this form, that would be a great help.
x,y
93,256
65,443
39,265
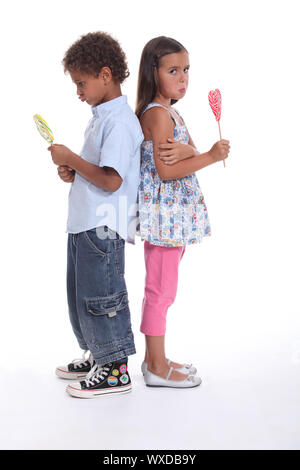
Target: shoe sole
x,y
173,386
63,374
74,392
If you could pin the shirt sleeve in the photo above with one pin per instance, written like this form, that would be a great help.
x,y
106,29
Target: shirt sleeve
x,y
118,148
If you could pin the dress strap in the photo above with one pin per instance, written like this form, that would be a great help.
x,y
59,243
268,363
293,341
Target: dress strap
x,y
176,110
152,105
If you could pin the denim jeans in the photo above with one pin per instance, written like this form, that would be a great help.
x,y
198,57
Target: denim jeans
x,y
97,295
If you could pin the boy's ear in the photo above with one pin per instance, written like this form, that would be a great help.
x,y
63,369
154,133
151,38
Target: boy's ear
x,y
106,75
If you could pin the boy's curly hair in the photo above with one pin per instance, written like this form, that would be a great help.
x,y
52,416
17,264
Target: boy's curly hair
x,y
92,52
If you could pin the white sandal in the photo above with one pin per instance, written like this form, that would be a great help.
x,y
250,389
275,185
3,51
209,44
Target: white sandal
x,y
152,380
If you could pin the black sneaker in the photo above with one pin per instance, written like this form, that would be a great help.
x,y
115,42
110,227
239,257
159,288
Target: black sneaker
x,y
103,380
76,369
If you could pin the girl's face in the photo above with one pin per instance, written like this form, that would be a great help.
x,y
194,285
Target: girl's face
x,y
173,75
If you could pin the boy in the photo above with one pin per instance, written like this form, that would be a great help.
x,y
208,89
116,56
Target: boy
x,y
101,200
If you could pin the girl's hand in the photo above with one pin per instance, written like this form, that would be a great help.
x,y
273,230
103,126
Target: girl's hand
x,y
66,173
61,155
220,150
175,151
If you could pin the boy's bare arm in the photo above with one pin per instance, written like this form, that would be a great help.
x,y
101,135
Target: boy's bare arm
x,y
105,177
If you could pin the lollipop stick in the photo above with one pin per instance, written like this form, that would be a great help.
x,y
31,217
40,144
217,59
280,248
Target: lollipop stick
x,y
221,138
220,130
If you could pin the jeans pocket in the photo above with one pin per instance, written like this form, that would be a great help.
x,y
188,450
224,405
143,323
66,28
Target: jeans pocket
x,y
109,305
101,246
109,320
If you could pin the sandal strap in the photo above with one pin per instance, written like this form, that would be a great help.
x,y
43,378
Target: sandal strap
x,y
169,373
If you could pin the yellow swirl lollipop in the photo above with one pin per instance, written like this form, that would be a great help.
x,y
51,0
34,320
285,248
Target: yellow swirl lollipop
x,y
43,128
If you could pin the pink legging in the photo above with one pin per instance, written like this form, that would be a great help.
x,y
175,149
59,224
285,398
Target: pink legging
x,y
162,264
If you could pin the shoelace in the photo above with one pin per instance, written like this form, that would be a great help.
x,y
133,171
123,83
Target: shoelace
x,y
83,361
97,374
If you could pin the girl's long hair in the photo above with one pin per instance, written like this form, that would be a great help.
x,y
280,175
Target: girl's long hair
x,y
153,51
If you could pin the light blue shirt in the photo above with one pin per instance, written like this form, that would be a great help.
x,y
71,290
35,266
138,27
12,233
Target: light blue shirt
x,y
112,138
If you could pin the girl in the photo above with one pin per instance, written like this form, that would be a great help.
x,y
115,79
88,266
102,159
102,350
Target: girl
x,y
172,209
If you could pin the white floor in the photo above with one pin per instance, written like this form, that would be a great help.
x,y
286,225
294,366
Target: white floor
x,y
248,400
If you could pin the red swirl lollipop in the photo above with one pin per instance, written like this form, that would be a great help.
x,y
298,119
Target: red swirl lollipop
x,y
215,101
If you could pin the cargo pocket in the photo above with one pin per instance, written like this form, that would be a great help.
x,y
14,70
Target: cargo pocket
x,y
107,305
109,321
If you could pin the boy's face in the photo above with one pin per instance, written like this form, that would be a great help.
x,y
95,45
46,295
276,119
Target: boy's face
x,y
89,88
173,75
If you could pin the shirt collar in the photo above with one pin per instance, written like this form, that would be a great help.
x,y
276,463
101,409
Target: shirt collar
x,y
105,108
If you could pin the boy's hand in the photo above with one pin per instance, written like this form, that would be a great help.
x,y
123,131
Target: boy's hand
x,y
61,155
175,151
220,150
66,173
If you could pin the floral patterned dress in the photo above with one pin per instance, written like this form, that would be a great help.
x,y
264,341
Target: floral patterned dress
x,y
171,212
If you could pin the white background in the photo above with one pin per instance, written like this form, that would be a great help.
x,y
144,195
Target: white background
x,y
236,315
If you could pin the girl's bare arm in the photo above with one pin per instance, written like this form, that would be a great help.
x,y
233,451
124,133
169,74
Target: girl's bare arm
x,y
158,127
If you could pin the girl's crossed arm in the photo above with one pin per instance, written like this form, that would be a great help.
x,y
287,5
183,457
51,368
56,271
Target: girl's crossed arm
x,y
175,151
157,124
